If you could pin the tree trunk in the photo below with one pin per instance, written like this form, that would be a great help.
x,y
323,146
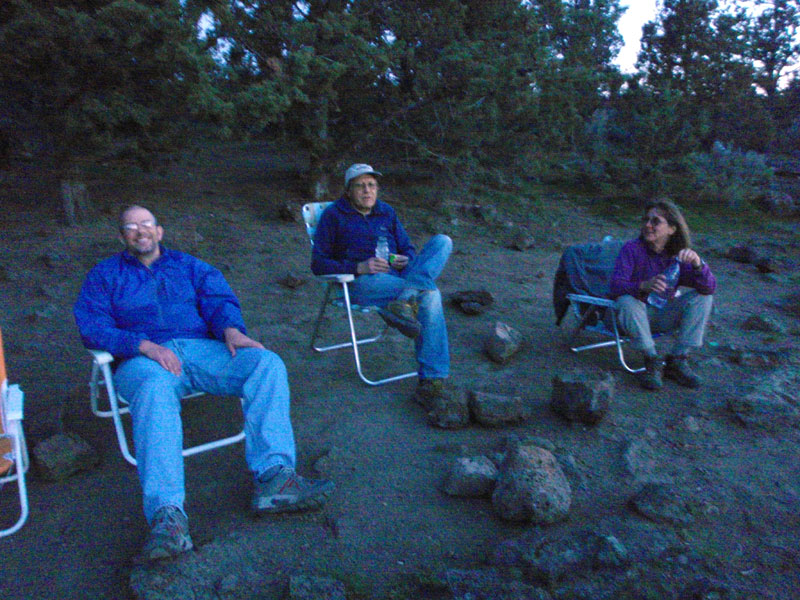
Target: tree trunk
x,y
74,201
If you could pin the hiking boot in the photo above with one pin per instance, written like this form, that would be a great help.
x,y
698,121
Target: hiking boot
x,y
650,378
428,391
169,534
402,315
678,369
287,491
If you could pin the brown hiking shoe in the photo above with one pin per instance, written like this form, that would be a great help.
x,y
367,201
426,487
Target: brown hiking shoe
x,y
650,378
402,315
678,369
428,391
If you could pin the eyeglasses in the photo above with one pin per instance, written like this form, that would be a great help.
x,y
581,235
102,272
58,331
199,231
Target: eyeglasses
x,y
654,221
148,224
369,185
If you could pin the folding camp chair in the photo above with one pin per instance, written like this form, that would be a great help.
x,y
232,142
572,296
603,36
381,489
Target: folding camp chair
x,y
337,293
581,284
13,451
102,377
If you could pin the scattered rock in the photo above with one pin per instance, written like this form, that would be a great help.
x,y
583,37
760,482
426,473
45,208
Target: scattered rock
x,y
774,402
46,311
448,411
639,460
763,323
496,410
610,552
472,302
305,587
766,265
503,342
522,240
661,503
470,478
486,584
62,455
531,487
289,212
578,396
742,253
291,281
691,424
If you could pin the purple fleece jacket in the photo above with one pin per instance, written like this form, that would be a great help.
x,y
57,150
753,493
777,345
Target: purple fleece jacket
x,y
636,263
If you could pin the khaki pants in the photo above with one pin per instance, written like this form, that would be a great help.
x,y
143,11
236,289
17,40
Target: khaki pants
x,y
688,314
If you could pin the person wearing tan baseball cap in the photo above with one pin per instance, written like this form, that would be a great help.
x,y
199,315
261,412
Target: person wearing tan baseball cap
x,y
361,234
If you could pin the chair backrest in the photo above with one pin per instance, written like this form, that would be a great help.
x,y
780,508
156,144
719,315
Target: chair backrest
x,y
311,214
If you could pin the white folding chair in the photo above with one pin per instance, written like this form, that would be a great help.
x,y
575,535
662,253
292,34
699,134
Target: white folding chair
x,y
13,451
102,377
337,293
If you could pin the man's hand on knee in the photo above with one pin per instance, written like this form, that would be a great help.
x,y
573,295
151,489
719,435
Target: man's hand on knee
x,y
163,356
236,339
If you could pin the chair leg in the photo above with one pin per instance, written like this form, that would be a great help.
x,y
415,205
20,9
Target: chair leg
x,y
117,411
354,343
618,341
21,462
318,323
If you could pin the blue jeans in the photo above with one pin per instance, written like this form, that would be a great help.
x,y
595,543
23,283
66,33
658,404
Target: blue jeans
x,y
432,350
257,376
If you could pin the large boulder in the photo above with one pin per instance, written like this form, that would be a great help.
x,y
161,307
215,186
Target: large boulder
x,y
531,487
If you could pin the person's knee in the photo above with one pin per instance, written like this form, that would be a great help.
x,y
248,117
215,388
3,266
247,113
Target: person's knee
x,y
442,243
268,362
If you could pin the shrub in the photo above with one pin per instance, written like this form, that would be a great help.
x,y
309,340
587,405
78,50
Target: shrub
x,y
728,176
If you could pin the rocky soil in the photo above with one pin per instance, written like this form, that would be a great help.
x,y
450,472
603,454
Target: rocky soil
x,y
675,494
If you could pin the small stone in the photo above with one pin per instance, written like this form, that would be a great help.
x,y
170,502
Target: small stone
x,y
291,281
62,455
763,323
449,411
661,503
577,396
306,587
496,410
470,477
503,342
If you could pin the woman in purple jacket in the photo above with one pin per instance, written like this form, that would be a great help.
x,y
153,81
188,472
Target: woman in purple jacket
x,y
639,270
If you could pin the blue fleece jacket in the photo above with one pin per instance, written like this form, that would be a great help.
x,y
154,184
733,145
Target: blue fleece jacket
x,y
123,302
344,237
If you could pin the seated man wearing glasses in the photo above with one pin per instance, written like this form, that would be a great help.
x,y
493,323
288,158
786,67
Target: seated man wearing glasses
x,y
403,283
176,327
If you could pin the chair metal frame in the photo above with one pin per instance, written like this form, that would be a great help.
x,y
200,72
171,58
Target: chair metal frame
x,y
12,401
598,308
102,377
337,293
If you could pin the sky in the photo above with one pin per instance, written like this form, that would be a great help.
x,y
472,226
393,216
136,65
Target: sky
x,y
630,26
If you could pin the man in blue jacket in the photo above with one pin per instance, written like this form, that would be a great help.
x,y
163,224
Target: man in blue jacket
x,y
176,327
404,286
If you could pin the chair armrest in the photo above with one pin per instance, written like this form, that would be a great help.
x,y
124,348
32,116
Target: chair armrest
x,y
337,278
12,404
596,300
101,357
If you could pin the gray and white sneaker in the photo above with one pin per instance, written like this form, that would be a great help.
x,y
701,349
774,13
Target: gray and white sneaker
x,y
169,534
287,491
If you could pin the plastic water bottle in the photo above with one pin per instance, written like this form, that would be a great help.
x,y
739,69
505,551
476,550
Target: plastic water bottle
x,y
382,249
659,300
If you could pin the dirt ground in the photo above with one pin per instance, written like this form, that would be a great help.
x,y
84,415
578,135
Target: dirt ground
x,y
387,522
